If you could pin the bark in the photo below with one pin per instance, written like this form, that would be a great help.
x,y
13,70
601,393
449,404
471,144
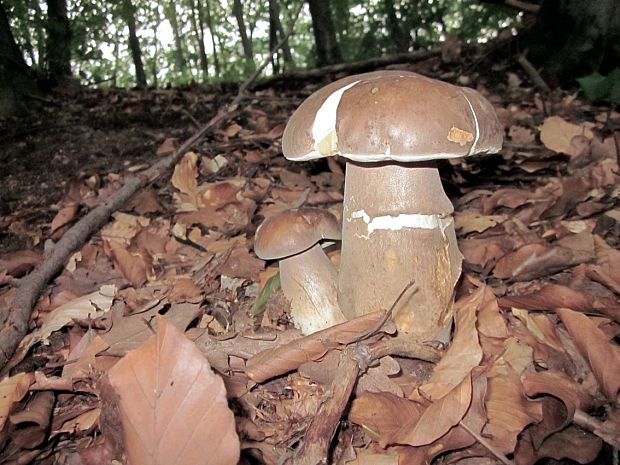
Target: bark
x,y
327,47
572,38
134,43
246,43
179,57
276,30
58,44
200,37
17,81
216,60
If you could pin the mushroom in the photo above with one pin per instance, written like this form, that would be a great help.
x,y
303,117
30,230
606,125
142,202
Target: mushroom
x,y
308,278
391,126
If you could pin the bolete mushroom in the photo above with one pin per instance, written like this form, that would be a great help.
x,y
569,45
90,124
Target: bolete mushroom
x,y
308,277
397,222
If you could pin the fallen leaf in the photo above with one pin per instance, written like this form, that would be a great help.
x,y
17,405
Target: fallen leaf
x,y
171,405
602,356
556,134
90,306
12,390
438,417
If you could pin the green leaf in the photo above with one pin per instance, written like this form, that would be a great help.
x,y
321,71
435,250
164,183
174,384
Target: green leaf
x,y
271,286
598,87
595,86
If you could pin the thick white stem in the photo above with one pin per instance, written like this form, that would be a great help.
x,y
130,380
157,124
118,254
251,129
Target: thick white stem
x,y
309,281
398,228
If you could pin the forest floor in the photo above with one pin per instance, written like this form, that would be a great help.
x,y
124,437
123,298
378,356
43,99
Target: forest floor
x,y
534,361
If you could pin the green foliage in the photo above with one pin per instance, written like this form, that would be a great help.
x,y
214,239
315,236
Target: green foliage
x,y
597,87
271,286
101,55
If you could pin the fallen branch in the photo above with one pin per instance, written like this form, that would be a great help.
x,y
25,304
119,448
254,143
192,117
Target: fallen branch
x,y
352,67
316,441
14,321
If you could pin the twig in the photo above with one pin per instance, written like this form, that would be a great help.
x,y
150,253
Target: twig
x,y
316,442
356,66
14,321
533,73
487,445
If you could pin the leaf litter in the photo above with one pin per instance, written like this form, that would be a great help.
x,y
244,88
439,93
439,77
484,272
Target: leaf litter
x,y
167,312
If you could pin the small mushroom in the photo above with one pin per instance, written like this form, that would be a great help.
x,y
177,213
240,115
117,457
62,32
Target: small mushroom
x,y
397,222
308,278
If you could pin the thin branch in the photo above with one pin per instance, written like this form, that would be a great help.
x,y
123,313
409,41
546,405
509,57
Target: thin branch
x,y
14,321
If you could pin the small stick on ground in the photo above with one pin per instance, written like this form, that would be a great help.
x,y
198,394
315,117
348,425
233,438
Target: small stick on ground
x,y
14,321
533,73
316,442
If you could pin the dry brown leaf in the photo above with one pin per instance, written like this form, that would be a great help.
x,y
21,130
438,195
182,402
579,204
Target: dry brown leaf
x,y
89,306
184,178
12,390
20,262
290,356
559,385
383,414
468,221
603,356
438,418
64,216
508,409
536,260
465,352
172,406
556,134
553,296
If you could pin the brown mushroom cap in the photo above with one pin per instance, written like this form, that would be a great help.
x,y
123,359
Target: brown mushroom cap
x,y
392,115
293,231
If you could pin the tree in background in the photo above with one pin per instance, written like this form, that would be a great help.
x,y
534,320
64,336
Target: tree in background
x,y
246,41
58,49
17,81
128,13
327,47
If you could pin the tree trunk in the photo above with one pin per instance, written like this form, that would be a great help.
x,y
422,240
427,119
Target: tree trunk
x,y
216,60
129,13
246,43
200,37
16,79
179,57
58,46
276,32
399,38
573,38
327,48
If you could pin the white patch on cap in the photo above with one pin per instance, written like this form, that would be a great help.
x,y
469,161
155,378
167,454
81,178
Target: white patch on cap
x,y
473,113
325,119
402,221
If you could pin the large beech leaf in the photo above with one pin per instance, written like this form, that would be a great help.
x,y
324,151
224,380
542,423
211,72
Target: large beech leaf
x,y
383,413
438,418
603,357
465,352
171,405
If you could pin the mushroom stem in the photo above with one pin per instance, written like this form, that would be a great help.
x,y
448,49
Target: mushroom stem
x,y
310,280
399,230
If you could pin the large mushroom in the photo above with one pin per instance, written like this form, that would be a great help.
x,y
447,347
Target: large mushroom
x,y
391,126
307,276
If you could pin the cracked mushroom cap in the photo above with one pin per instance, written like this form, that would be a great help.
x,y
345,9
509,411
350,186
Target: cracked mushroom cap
x,y
392,115
293,231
